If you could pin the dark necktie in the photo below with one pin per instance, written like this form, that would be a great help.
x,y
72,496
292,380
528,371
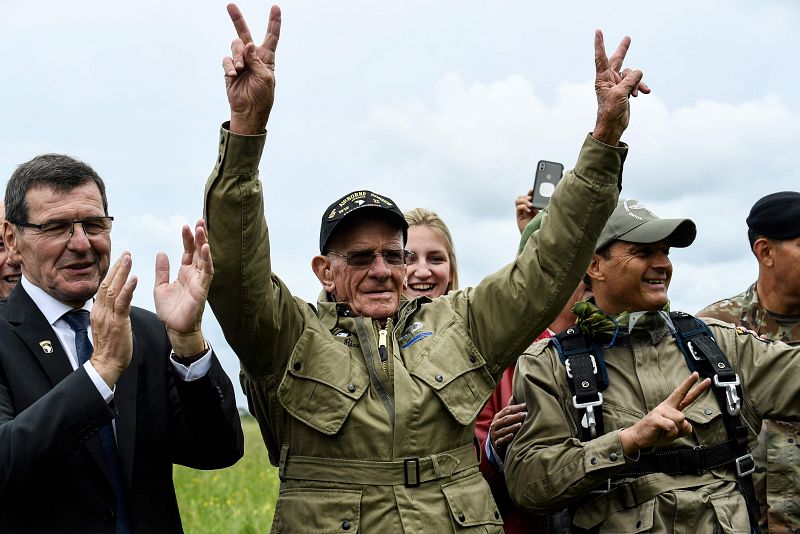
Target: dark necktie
x,y
78,320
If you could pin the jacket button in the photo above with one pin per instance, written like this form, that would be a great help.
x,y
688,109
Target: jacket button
x,y
351,388
439,378
346,525
593,461
708,411
296,366
472,359
613,456
461,517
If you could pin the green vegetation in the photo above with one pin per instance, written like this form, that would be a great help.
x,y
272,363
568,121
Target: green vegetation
x,y
237,500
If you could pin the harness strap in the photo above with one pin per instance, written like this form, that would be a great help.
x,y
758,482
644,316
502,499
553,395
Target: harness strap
x,y
688,460
409,472
704,355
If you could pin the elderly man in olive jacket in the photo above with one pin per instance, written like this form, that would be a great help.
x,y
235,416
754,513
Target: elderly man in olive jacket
x,y
368,402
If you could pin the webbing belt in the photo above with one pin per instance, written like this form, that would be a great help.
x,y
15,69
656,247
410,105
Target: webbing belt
x,y
688,460
409,472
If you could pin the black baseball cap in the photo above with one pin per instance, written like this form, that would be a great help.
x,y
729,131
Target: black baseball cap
x,y
776,216
350,204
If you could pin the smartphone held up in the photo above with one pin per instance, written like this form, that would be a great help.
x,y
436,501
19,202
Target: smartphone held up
x,y
548,173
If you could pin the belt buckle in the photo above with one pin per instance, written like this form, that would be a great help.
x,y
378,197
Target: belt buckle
x,y
744,472
415,462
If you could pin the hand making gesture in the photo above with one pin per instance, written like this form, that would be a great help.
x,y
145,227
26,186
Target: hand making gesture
x,y
250,74
180,304
666,422
614,87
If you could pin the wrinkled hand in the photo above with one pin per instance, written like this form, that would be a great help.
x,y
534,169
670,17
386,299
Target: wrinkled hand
x,y
180,304
250,74
525,210
505,425
613,86
111,323
665,423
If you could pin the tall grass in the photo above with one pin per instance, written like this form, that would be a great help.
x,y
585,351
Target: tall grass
x,y
237,500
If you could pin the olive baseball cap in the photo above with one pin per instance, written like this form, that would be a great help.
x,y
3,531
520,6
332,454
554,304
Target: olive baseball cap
x,y
776,216
352,203
631,221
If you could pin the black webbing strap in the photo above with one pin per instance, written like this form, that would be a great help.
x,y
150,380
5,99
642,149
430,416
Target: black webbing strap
x,y
684,460
702,353
586,376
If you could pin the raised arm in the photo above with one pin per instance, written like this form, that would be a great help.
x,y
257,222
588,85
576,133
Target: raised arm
x,y
255,309
510,308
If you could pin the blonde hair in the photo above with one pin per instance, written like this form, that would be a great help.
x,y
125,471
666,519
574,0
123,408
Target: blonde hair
x,y
424,217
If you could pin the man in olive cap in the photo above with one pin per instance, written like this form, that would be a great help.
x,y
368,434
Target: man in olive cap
x,y
771,307
620,427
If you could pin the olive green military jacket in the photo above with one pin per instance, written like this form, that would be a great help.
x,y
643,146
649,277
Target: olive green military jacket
x,y
548,467
368,449
777,455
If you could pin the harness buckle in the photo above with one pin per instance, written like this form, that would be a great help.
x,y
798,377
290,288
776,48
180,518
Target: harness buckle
x,y
605,488
693,352
588,420
732,397
746,470
569,369
415,462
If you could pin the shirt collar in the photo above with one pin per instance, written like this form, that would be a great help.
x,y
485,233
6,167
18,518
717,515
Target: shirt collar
x,y
51,308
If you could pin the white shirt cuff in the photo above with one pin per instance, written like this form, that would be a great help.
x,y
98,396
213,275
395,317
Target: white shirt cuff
x,y
106,392
492,456
196,370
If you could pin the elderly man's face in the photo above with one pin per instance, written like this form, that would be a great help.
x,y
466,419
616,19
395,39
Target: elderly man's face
x,y
9,269
374,290
68,268
634,277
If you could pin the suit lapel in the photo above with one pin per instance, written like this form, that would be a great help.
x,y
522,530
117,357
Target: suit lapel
x,y
38,335
32,326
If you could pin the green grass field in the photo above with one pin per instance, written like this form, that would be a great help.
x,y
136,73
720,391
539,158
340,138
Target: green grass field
x,y
237,500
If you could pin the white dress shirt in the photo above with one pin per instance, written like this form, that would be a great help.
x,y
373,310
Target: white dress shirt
x,y
53,310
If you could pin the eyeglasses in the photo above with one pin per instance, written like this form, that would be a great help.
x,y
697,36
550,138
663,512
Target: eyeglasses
x,y
365,258
92,226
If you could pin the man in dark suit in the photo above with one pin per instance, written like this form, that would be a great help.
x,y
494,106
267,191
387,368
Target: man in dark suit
x,y
89,430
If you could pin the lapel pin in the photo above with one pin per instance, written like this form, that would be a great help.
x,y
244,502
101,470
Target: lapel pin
x,y
47,347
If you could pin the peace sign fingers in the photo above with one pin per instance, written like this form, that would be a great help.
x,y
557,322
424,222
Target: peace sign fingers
x,y
685,394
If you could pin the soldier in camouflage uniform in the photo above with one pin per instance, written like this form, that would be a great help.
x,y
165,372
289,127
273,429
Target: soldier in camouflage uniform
x,y
771,307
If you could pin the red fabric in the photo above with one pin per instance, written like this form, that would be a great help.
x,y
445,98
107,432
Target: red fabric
x,y
515,520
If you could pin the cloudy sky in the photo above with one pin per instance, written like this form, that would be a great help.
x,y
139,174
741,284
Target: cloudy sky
x,y
446,104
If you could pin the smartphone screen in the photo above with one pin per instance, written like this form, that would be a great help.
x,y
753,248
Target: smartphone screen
x,y
548,173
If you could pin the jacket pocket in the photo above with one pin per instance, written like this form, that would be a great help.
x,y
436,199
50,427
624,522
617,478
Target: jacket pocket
x,y
454,369
731,512
472,508
322,383
638,519
317,511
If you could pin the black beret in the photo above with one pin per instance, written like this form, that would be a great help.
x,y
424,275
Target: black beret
x,y
776,216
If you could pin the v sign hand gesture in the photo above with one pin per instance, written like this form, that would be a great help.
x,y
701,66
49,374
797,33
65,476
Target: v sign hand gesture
x,y
665,423
250,74
613,86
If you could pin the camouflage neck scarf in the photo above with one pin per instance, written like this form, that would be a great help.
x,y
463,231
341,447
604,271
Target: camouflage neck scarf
x,y
602,326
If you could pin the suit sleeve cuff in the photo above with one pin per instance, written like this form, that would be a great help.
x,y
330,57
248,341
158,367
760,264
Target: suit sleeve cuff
x,y
106,392
196,370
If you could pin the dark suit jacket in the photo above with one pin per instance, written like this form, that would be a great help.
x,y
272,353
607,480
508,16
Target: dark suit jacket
x,y
52,469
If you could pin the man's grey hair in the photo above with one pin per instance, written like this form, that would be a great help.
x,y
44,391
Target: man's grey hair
x,y
58,172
